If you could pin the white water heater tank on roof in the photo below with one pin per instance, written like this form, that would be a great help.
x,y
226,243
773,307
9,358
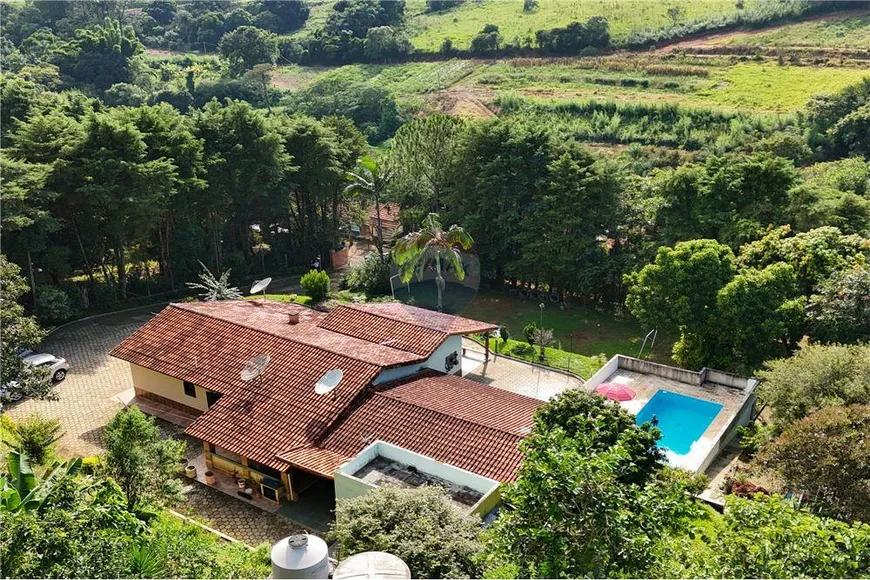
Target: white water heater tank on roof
x,y
300,556
372,566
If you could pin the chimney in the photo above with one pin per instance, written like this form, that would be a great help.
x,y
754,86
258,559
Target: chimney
x,y
293,318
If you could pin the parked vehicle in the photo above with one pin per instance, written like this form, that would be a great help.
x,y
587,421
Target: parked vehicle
x,y
57,366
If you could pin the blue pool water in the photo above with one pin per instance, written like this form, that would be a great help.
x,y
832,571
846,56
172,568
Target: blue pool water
x,y
682,419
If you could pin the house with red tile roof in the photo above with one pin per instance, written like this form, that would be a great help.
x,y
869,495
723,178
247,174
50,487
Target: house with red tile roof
x,y
400,384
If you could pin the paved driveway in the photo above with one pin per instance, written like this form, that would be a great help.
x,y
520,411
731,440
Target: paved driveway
x,y
87,395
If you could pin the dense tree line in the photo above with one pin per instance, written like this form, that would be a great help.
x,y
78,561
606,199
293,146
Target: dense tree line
x,y
217,181
151,186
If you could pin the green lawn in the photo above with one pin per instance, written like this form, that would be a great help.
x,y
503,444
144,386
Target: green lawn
x,y
770,87
843,32
579,330
584,366
291,298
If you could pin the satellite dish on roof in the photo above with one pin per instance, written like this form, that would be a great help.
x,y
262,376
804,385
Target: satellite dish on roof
x,y
260,286
327,383
254,367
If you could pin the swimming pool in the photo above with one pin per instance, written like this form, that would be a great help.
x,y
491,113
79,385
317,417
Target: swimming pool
x,y
681,419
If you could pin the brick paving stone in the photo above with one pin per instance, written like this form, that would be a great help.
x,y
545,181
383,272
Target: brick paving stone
x,y
234,517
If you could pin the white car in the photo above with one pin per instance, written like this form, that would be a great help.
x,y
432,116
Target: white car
x,y
56,365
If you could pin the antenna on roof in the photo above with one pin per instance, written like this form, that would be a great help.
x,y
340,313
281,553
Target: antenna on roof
x,y
260,286
328,382
254,368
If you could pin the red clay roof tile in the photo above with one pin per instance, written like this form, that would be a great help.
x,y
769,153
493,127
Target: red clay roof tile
x,y
448,418
400,326
279,420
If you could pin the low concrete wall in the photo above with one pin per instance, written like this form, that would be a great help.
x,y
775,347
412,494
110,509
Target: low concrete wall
x,y
650,368
728,379
729,432
348,486
602,374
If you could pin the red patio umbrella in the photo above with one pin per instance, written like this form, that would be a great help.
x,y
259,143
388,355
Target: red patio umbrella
x,y
615,391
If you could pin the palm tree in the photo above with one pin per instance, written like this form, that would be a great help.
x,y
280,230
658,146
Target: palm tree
x,y
432,247
371,179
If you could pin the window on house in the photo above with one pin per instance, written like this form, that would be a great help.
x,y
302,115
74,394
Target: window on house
x,y
189,389
211,398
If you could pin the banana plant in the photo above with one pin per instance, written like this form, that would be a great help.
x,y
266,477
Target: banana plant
x,y
20,490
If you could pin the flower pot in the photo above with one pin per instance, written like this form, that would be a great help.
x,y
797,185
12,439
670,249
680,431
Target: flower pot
x,y
241,483
190,471
209,477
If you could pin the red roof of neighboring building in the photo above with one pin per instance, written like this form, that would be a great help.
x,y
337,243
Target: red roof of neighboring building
x,y
279,421
389,215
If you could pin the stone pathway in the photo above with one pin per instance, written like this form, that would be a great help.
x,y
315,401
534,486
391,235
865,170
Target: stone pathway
x,y
234,517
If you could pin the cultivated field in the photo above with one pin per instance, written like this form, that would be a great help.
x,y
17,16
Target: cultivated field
x,y
724,83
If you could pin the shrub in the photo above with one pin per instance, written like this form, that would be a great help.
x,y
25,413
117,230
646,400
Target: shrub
x,y
529,332
371,276
827,456
522,349
315,284
52,305
487,40
91,464
420,526
37,436
815,377
753,436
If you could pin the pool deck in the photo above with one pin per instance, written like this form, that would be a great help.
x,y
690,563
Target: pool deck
x,y
646,379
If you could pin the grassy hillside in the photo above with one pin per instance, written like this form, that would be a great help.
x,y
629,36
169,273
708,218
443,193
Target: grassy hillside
x,y
835,32
429,29
460,24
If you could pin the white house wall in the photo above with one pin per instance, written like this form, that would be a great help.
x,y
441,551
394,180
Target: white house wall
x,y
436,362
168,387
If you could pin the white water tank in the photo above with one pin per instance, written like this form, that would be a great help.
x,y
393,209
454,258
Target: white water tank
x,y
372,565
300,556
